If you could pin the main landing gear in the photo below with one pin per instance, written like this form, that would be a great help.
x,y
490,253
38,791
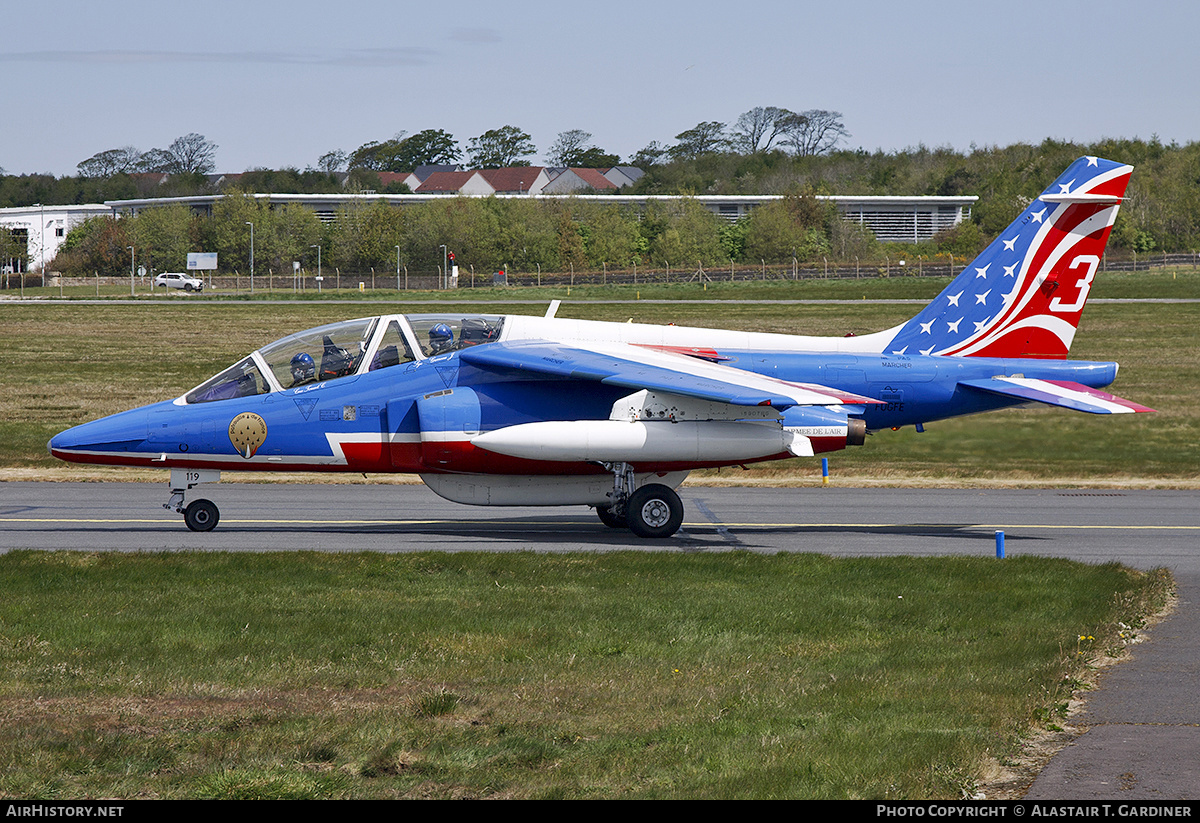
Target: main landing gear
x,y
199,515
654,510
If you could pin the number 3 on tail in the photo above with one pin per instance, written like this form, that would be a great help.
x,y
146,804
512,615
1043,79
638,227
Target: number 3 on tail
x,y
1084,284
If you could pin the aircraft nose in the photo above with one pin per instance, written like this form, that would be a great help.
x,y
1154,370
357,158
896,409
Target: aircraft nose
x,y
117,434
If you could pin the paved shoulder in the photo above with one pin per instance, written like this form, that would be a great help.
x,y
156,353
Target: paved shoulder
x,y
1143,722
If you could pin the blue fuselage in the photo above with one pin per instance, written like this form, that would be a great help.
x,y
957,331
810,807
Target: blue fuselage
x,y
384,421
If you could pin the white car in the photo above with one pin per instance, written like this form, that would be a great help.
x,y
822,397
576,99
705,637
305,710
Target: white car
x,y
177,280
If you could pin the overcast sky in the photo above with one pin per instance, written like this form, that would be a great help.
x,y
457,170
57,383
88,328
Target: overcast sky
x,y
278,84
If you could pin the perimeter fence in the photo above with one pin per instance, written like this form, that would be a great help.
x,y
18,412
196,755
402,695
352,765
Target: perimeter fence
x,y
380,279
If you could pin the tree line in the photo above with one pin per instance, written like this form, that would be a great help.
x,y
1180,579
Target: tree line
x,y
1161,213
486,234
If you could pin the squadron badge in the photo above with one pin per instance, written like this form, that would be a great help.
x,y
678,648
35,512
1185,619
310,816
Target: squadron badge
x,y
247,432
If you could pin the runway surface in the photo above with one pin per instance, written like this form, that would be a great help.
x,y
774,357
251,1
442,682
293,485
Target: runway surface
x,y
1143,725
1143,529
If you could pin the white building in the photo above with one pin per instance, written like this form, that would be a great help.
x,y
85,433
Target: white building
x,y
44,228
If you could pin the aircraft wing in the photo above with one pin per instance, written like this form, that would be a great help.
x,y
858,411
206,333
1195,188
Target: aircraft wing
x,y
639,367
1063,393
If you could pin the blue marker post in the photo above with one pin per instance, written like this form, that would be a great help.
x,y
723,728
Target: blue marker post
x,y
1000,545
824,471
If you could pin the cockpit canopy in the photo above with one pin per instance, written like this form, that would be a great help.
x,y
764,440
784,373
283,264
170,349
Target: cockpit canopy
x,y
346,348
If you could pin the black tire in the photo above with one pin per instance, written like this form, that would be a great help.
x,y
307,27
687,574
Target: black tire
x,y
610,518
201,515
654,511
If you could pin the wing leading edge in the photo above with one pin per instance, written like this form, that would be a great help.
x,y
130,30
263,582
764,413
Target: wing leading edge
x,y
638,368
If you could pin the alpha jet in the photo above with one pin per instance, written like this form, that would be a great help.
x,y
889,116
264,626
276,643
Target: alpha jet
x,y
521,410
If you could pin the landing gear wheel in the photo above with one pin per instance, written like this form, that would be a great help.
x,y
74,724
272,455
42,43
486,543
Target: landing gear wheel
x,y
201,515
610,518
654,511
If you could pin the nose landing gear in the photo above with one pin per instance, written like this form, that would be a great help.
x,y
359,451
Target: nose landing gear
x,y
199,515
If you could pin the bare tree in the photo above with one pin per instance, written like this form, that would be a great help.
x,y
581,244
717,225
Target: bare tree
x,y
110,162
567,146
758,129
332,161
815,131
192,154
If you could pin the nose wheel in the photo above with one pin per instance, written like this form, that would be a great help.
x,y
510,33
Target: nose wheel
x,y
199,515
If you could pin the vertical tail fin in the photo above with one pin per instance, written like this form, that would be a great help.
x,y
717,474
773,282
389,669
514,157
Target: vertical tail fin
x,y
1023,296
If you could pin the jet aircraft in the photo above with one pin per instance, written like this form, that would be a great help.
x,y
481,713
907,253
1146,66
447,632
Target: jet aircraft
x,y
526,410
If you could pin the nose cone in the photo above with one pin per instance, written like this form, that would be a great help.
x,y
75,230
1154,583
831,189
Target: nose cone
x,y
110,440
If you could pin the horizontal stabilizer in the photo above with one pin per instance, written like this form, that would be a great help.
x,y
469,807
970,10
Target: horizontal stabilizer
x,y
1063,393
1083,197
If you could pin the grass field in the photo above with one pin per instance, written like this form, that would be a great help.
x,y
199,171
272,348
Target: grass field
x,y
517,675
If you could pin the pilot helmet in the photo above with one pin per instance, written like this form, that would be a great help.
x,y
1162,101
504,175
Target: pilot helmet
x,y
303,367
441,336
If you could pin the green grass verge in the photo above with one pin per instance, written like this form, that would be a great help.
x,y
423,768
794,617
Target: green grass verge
x,y
622,675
